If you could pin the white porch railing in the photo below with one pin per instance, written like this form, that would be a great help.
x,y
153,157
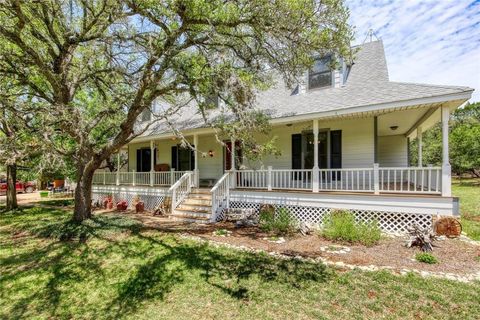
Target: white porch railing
x,y
375,179
162,178
220,195
411,180
352,180
181,189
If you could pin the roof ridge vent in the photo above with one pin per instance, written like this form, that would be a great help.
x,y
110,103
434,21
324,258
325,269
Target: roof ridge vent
x,y
370,34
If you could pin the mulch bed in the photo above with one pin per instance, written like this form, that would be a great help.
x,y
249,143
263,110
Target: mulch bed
x,y
454,255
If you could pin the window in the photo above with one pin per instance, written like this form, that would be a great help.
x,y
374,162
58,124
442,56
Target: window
x,y
212,101
146,115
320,75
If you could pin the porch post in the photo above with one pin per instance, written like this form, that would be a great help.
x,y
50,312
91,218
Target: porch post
x,y
376,179
269,178
152,162
420,146
196,171
133,178
446,168
315,175
118,169
172,176
232,161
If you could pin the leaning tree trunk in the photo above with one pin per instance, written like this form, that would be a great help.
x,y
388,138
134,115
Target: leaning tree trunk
x,y
83,195
11,188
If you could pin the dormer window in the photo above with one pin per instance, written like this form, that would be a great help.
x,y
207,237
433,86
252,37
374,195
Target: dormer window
x,y
146,115
212,101
320,75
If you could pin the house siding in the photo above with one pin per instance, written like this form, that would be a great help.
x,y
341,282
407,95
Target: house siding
x,y
392,151
357,147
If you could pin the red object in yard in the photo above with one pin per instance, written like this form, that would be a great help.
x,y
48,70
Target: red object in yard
x,y
109,205
122,205
20,187
139,207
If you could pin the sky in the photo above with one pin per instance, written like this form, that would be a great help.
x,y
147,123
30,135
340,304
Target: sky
x,y
433,41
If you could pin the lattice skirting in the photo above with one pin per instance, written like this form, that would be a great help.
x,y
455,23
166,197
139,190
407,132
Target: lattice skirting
x,y
389,222
151,197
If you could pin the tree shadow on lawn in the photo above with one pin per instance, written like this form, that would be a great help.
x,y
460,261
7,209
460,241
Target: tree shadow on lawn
x,y
216,267
164,262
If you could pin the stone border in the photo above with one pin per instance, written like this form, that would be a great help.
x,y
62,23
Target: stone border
x,y
342,265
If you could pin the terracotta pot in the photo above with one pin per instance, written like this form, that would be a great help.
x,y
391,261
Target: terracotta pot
x,y
139,207
122,205
109,205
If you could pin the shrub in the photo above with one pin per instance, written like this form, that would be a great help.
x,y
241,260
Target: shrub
x,y
281,223
341,226
426,257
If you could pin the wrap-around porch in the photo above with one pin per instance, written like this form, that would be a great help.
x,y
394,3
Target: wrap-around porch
x,y
359,163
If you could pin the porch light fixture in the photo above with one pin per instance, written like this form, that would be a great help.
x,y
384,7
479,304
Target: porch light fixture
x,y
210,153
393,128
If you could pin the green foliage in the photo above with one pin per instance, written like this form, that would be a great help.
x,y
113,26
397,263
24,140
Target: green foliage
x,y
464,141
91,67
281,222
341,226
468,190
112,267
426,257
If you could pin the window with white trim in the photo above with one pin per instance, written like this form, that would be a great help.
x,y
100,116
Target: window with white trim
x,y
320,75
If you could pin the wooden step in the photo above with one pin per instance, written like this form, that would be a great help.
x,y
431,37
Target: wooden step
x,y
201,191
194,207
195,210
202,196
198,201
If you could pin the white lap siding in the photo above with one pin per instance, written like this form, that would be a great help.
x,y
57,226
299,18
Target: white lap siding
x,y
392,151
357,142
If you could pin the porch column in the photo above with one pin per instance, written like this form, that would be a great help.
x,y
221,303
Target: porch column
x,y
315,175
446,168
196,171
152,162
232,161
118,169
420,146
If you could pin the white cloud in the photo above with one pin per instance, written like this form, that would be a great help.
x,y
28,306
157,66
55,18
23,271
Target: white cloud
x,y
432,41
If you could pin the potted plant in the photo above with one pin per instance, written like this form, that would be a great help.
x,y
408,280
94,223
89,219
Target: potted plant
x,y
122,205
108,202
138,204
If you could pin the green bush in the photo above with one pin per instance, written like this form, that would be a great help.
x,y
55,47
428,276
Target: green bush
x,y
426,257
341,226
281,223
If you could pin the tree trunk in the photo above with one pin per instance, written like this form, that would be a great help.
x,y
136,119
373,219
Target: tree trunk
x,y
83,195
11,188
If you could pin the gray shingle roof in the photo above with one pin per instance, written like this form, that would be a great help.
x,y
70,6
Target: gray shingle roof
x,y
367,84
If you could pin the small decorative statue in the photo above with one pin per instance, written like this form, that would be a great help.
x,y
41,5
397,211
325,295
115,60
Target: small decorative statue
x,y
108,202
422,238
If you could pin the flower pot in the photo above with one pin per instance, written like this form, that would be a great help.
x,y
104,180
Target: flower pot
x,y
122,205
139,207
109,205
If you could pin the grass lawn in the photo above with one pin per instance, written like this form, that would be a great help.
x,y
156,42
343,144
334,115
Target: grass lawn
x,y
468,190
110,267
